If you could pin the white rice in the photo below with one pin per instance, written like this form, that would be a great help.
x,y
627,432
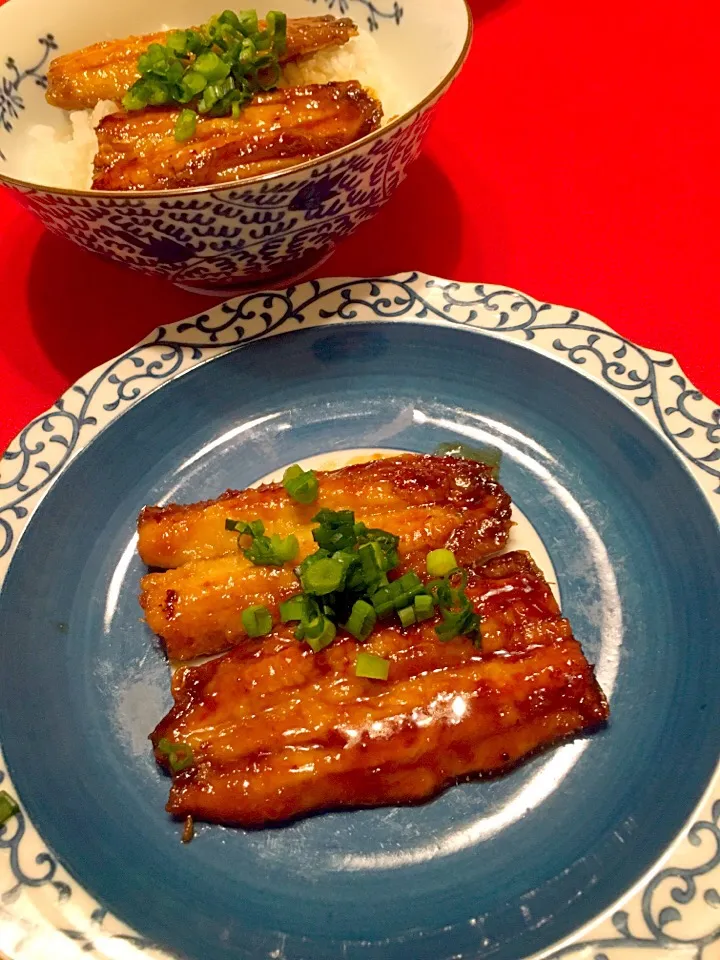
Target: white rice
x,y
63,156
359,59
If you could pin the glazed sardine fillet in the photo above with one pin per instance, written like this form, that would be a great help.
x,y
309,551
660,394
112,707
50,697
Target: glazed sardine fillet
x,y
105,70
278,731
138,151
196,606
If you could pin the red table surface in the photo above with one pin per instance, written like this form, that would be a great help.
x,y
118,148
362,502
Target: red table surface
x,y
575,159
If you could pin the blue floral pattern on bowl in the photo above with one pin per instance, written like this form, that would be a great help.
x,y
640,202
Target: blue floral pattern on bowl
x,y
11,99
376,14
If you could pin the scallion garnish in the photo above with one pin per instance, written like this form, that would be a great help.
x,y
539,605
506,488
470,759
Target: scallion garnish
x,y
319,632
296,608
371,666
301,485
179,755
215,69
407,616
8,807
397,595
272,551
324,576
257,621
361,621
336,530
185,125
457,623
255,528
423,606
440,562
346,581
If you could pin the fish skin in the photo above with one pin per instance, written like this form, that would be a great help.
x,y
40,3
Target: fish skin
x,y
278,732
138,151
428,502
105,70
173,534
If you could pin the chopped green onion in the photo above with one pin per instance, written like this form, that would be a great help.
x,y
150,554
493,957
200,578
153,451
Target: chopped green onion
x,y
384,609
456,623
321,636
267,78
272,551
407,616
180,755
336,530
255,528
177,42
349,562
370,666
309,561
135,98
396,595
372,559
424,607
440,562
361,621
301,485
216,68
388,544
277,28
441,592
296,608
410,583
194,82
195,41
248,22
257,621
324,576
8,807
185,125
382,601
211,67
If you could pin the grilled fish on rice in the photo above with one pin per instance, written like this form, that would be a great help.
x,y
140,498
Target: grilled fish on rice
x,y
105,70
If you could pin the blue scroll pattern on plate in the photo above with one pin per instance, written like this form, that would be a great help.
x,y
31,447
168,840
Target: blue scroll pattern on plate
x,y
689,422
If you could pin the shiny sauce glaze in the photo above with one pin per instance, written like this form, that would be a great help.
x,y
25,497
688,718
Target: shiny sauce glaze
x,y
428,502
138,151
105,70
278,732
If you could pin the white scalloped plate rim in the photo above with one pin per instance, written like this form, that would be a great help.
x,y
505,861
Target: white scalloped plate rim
x,y
46,913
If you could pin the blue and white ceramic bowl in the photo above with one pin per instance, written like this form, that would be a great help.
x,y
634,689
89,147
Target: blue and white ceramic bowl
x,y
604,848
232,235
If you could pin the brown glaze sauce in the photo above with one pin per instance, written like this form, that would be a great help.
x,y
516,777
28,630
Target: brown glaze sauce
x,y
278,731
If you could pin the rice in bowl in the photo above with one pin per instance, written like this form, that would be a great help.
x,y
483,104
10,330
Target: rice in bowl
x,y
63,155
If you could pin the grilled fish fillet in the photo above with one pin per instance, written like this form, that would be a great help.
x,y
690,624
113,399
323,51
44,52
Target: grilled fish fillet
x,y
460,491
427,501
138,151
105,70
278,732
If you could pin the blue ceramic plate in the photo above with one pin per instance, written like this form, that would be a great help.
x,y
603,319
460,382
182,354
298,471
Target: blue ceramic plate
x,y
603,845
